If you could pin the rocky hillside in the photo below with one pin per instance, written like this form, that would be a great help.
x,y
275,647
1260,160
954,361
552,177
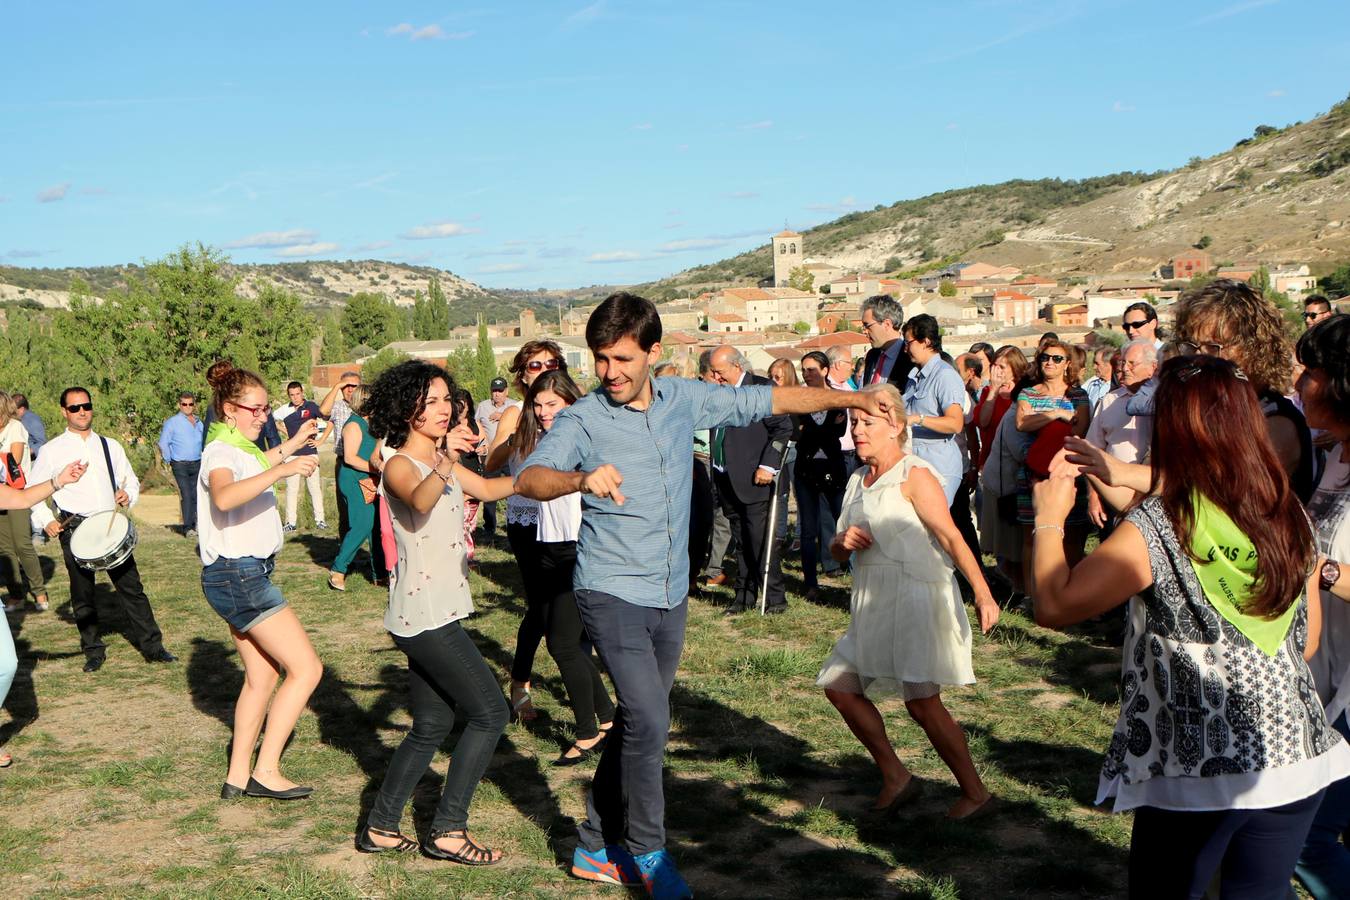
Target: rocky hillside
x,y
1281,195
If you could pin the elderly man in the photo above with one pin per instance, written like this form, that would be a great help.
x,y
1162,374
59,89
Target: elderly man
x,y
745,461
1113,428
336,405
883,318
1099,385
840,373
488,413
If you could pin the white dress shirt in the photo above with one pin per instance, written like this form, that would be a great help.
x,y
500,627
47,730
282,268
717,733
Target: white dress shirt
x,y
93,493
1120,434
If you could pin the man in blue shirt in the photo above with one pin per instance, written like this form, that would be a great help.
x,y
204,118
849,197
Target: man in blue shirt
x,y
180,444
625,447
37,430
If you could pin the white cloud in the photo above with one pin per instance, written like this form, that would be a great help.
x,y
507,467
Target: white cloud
x,y
845,204
428,33
436,230
1121,106
373,245
24,254
688,244
586,14
1235,9
274,239
615,256
401,28
1278,92
315,249
53,193
432,32
500,268
757,126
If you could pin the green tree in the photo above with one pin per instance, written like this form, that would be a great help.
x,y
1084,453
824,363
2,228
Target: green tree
x,y
283,333
801,278
894,264
1336,283
801,327
380,362
334,348
1260,280
421,325
484,364
439,310
371,319
1109,338
947,288
1205,241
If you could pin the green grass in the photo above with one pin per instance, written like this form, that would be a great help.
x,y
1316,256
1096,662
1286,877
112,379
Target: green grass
x,y
113,788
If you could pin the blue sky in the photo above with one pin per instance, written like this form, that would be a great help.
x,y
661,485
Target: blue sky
x,y
536,144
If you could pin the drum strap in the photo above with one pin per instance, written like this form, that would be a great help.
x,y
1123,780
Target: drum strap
x,y
107,458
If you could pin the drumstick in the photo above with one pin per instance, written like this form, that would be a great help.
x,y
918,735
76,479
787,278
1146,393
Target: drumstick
x,y
112,519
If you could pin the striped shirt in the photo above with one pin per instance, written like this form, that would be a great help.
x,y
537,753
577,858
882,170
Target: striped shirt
x,y
640,551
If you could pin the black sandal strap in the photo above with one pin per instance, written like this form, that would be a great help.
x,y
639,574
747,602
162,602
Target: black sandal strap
x,y
470,851
404,844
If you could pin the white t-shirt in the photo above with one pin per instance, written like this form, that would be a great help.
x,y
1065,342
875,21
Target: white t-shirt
x,y
253,529
15,433
560,519
1330,512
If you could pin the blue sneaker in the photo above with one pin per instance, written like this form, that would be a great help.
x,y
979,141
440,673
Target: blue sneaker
x,y
612,865
661,878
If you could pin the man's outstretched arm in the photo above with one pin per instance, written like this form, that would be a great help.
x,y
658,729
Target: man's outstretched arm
x,y
802,400
542,483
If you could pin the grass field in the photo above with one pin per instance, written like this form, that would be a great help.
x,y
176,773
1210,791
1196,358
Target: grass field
x,y
116,776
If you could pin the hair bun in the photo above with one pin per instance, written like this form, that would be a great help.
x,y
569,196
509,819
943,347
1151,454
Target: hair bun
x,y
219,371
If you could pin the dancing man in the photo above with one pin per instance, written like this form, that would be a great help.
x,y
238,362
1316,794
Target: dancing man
x,y
111,484
625,447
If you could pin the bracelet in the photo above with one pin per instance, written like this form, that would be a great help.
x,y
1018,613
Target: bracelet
x,y
445,479
1048,528
55,487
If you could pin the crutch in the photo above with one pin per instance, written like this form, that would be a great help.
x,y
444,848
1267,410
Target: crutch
x,y
772,529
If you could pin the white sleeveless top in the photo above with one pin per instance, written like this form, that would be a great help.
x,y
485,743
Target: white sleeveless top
x,y
430,583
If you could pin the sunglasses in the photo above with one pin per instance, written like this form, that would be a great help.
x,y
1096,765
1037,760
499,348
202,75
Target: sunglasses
x,y
1131,326
1311,315
255,410
540,365
188,403
1051,357
80,407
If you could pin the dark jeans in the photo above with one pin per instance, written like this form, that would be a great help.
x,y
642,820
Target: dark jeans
x,y
185,474
525,545
701,504
809,501
1324,865
145,633
446,674
640,648
1177,854
585,689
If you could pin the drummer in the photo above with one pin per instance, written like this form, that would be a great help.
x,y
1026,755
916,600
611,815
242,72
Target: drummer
x,y
109,484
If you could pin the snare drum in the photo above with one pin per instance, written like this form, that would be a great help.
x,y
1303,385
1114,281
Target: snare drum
x,y
103,541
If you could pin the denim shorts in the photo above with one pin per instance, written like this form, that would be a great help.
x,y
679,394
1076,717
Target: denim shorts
x,y
241,590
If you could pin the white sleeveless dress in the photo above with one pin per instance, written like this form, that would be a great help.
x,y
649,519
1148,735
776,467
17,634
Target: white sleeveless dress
x,y
909,633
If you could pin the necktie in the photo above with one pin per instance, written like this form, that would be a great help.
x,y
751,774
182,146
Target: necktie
x,y
718,455
881,364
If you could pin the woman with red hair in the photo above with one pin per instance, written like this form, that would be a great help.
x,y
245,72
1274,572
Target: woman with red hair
x,y
1222,748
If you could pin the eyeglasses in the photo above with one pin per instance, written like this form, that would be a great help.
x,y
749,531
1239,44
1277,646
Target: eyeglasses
x,y
187,403
80,407
257,411
1209,348
1189,372
543,365
868,326
1051,357
1131,326
1311,315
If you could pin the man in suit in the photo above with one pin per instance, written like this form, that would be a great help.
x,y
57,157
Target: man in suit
x,y
883,319
745,461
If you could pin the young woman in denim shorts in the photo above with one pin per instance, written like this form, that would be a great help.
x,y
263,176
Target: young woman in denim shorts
x,y
239,536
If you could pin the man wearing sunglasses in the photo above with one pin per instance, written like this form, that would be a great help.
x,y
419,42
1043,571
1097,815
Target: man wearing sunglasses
x,y
1315,309
1140,323
180,445
110,483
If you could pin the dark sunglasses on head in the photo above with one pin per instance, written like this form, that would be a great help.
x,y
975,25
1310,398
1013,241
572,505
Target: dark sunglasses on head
x,y
543,365
80,407
1131,326
1051,357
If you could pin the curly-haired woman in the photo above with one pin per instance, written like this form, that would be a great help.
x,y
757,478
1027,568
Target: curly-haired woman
x,y
412,407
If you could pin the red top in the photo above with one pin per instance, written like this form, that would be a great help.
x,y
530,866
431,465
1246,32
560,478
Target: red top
x,y
1001,406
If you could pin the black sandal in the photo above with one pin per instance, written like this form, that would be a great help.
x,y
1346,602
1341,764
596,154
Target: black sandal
x,y
471,854
366,845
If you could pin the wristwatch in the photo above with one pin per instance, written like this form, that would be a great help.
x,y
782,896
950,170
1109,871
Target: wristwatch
x,y
1331,573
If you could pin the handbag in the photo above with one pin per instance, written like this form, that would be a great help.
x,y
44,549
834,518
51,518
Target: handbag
x,y
14,476
1049,441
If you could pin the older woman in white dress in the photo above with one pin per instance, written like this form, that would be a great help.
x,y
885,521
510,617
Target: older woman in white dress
x,y
909,633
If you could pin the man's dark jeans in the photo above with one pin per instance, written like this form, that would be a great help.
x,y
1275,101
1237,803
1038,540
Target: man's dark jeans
x,y
640,648
185,473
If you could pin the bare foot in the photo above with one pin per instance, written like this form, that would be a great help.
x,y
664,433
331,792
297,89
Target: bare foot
x,y
968,806
521,704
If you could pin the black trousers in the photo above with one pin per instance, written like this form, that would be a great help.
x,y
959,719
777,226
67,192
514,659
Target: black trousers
x,y
585,689
702,504
534,624
185,475
749,522
126,580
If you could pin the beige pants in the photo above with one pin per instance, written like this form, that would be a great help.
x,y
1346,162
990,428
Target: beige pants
x,y
314,482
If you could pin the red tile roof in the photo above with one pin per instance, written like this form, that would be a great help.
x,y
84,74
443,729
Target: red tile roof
x,y
836,339
726,317
748,294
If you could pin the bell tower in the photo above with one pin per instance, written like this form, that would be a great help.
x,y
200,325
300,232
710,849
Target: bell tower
x,y
787,255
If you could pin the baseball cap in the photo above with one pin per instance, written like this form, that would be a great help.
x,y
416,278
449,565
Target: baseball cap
x,y
499,384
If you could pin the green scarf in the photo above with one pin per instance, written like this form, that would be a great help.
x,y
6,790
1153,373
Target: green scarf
x,y
228,434
1228,576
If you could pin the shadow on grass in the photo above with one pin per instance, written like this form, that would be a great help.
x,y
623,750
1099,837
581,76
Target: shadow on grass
x,y
110,612
22,701
1085,663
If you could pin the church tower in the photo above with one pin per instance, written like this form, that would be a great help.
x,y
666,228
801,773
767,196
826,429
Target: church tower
x,y
787,255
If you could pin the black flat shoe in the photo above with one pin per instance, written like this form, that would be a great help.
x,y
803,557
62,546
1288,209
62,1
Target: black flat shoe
x,y
93,663
257,789
230,792
584,753
366,845
161,656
